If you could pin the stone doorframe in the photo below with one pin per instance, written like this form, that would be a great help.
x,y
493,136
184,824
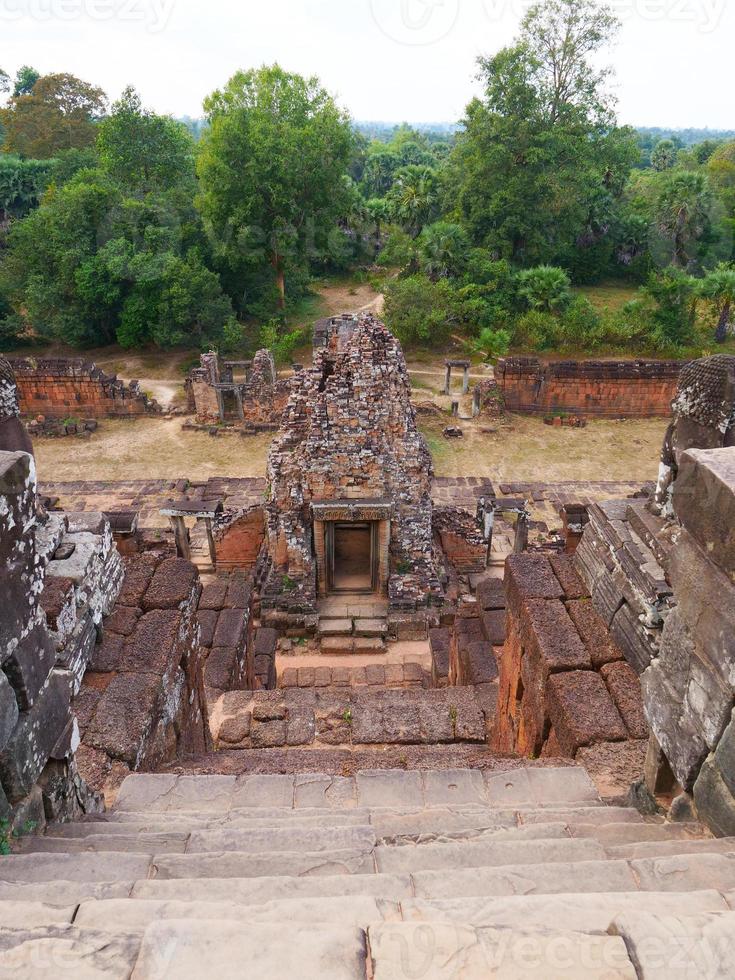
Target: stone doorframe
x,y
375,512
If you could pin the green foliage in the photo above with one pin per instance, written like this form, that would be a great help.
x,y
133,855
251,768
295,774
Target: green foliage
x,y
414,198
279,210
399,250
142,150
718,286
281,341
664,155
672,294
25,78
58,113
443,250
491,344
419,311
22,182
545,288
8,835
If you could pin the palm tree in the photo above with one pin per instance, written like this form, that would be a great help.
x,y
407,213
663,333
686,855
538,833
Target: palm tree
x,y
718,286
414,197
545,288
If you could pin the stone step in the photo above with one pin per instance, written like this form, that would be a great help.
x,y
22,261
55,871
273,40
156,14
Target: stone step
x,y
65,951
226,864
484,854
667,946
258,891
615,834
583,913
136,823
370,627
103,867
63,893
334,627
190,950
347,645
389,788
445,950
134,915
144,843
673,848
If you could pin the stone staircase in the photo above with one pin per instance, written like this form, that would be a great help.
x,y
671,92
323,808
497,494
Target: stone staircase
x,y
387,874
353,625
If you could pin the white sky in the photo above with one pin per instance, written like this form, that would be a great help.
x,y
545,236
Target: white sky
x,y
384,59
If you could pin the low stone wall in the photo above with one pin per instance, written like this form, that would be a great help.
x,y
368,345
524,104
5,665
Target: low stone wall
x,y
62,388
565,689
226,632
608,389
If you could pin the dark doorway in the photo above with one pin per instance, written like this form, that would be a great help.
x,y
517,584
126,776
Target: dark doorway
x,y
351,557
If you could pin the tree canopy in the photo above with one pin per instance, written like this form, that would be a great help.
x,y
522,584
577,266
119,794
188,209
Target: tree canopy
x,y
272,172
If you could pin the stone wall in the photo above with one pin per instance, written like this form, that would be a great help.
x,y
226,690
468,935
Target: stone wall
x,y
239,537
258,401
565,689
142,702
38,730
63,388
608,389
666,586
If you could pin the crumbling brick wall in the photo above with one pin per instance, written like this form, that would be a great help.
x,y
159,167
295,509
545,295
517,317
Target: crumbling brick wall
x,y
608,389
239,538
68,388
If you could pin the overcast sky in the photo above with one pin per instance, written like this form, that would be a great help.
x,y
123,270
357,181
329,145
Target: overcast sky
x,y
383,59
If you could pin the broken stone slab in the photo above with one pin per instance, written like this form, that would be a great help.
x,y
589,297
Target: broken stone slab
x,y
668,947
190,950
527,879
125,716
315,790
671,848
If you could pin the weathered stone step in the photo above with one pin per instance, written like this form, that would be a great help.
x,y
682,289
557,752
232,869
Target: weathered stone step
x,y
484,854
65,951
144,843
104,867
191,950
583,913
63,893
134,915
164,793
615,834
444,950
225,864
666,946
258,891
135,823
672,848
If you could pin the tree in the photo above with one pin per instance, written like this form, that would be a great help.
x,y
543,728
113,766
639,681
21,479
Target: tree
x,y
545,288
22,182
25,78
414,198
673,294
60,113
682,214
4,81
379,171
664,155
419,311
140,149
443,250
271,170
379,212
540,152
718,286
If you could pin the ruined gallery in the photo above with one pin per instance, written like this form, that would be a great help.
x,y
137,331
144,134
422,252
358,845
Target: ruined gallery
x,y
360,699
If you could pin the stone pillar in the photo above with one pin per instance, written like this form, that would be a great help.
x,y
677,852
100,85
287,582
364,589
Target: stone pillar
x,y
476,402
455,409
181,537
466,380
210,542
448,380
240,409
521,541
221,406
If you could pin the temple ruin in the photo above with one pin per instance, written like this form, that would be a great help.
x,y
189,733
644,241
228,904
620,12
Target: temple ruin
x,y
256,398
365,700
